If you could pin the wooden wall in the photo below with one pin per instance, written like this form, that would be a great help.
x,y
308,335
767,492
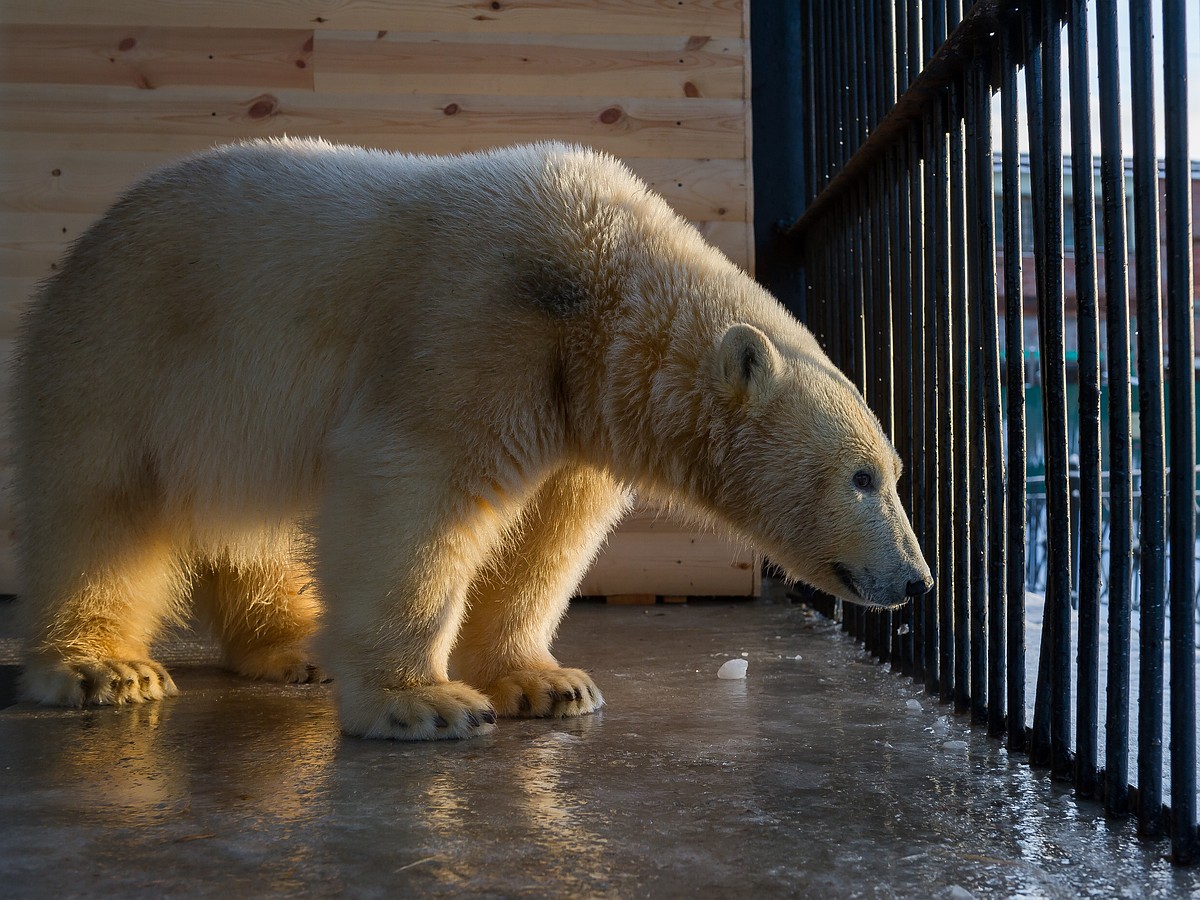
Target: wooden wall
x,y
95,92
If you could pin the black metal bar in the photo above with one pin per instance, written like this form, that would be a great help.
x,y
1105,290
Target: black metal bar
x,y
1014,343
916,55
975,312
1150,405
1185,847
940,150
905,338
1039,745
959,405
993,436
1088,327
1120,452
887,66
782,145
1054,411
923,390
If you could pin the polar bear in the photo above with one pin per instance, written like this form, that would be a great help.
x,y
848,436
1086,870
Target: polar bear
x,y
421,389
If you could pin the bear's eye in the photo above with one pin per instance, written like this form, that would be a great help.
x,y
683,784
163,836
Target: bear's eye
x,y
863,480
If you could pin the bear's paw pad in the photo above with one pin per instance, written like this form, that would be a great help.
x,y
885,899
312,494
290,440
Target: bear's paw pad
x,y
289,665
96,682
546,693
447,711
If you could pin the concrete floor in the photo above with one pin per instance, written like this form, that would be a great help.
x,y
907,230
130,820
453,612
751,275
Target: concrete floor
x,y
812,777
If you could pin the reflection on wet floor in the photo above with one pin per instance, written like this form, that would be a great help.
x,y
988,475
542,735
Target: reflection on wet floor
x,y
815,776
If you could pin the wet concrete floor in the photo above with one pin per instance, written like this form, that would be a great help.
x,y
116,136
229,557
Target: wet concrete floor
x,y
813,777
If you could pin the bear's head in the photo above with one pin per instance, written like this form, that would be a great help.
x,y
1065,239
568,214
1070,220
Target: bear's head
x,y
809,473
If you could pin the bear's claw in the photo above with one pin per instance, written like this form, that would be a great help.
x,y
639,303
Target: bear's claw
x,y
286,664
545,693
443,711
96,682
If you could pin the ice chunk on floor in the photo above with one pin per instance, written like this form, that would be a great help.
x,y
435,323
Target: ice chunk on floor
x,y
913,704
954,745
733,668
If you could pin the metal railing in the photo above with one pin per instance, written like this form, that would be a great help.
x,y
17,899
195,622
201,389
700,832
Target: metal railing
x,y
896,252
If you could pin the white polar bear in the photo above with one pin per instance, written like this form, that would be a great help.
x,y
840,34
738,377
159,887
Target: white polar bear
x,y
428,385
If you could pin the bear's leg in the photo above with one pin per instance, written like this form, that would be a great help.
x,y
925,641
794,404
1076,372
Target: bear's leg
x,y
396,545
263,612
518,600
92,605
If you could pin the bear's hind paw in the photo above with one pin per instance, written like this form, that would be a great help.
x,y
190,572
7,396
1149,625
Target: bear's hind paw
x,y
546,693
96,682
288,665
446,711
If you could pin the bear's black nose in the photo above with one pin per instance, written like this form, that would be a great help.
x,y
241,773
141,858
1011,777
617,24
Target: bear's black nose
x,y
918,588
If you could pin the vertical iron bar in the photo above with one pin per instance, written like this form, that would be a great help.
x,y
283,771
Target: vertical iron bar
x,y
993,438
923,389
1182,354
1150,405
904,338
959,405
1120,461
1014,353
1054,411
946,427
933,435
977,311
1088,324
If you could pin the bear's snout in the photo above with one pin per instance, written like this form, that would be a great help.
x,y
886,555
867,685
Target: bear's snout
x,y
919,587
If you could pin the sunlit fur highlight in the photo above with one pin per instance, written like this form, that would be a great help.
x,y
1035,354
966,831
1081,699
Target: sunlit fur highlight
x,y
423,390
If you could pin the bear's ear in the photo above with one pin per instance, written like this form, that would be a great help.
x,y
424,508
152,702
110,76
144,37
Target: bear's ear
x,y
747,361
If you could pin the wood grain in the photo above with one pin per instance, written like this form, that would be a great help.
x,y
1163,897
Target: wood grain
x,y
716,18
583,66
179,119
734,239
149,58
678,562
38,179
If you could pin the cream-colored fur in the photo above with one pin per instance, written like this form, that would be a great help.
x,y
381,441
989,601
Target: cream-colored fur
x,y
427,386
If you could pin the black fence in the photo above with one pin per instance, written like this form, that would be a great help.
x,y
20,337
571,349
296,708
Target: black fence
x,y
894,264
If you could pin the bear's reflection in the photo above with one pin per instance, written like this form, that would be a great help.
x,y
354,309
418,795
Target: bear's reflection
x,y
227,756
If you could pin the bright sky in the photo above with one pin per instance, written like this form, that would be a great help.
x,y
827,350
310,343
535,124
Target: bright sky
x,y
1193,66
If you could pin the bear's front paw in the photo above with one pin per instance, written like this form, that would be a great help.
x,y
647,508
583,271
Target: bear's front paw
x,y
287,664
417,713
546,693
95,682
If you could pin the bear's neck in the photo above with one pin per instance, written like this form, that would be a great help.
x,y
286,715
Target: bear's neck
x,y
652,419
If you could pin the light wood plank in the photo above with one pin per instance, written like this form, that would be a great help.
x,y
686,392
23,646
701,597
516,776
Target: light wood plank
x,y
149,58
717,18
583,66
38,179
34,179
671,563
734,239
631,599
181,119
15,294
32,243
703,190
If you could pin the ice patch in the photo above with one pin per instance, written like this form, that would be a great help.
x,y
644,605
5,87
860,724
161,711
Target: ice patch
x,y
954,745
733,669
913,704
